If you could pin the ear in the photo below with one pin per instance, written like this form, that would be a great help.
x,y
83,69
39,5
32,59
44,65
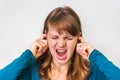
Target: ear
x,y
81,39
78,40
44,31
79,35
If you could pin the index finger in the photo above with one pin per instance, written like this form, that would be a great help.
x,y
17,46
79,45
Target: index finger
x,y
81,39
43,36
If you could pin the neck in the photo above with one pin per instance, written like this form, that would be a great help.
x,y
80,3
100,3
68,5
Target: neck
x,y
60,67
58,72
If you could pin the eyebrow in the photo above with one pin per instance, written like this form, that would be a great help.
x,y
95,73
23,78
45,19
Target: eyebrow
x,y
63,36
53,35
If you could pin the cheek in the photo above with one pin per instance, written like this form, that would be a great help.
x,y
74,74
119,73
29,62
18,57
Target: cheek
x,y
72,46
51,44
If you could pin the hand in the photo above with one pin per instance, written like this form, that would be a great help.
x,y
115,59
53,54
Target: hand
x,y
39,46
83,48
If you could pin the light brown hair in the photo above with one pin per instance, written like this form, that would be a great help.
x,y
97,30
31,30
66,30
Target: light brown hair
x,y
64,18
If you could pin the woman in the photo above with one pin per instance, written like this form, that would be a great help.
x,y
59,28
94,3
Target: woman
x,y
61,54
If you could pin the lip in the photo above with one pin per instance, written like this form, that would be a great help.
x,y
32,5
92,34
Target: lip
x,y
63,52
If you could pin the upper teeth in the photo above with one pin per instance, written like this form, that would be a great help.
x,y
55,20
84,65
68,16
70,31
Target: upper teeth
x,y
61,50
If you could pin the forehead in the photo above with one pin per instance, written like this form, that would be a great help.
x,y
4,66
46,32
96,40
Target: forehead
x,y
54,31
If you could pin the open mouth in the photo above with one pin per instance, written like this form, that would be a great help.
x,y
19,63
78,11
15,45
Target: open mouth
x,y
61,54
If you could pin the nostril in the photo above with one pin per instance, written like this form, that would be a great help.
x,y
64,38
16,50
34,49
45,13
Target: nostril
x,y
62,44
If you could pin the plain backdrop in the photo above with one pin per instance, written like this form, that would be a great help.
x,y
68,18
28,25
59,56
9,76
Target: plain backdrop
x,y
21,22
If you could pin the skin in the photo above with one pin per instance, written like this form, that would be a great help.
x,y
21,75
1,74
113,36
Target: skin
x,y
60,42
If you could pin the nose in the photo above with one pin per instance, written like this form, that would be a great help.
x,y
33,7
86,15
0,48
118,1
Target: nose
x,y
61,43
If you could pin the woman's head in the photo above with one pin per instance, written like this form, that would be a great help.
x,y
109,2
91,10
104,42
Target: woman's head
x,y
63,28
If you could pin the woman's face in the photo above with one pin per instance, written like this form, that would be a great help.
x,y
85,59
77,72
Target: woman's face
x,y
61,45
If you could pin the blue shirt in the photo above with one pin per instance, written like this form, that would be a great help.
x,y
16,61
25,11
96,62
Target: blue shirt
x,y
25,68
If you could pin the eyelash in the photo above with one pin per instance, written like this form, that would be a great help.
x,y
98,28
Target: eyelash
x,y
70,38
54,37
64,38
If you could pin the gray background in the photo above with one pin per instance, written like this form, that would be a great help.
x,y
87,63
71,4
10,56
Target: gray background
x,y
21,22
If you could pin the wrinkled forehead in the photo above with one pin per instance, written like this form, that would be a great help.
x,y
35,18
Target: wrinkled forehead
x,y
58,29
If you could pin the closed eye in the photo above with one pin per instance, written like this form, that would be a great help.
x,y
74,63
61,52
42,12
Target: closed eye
x,y
70,38
54,37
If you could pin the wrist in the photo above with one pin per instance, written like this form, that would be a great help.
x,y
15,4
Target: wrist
x,y
90,50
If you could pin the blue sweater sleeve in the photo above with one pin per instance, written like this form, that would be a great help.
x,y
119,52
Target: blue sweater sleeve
x,y
102,68
16,68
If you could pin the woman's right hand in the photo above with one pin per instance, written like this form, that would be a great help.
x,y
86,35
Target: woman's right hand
x,y
39,46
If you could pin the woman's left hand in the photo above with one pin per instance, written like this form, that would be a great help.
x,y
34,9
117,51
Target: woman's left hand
x,y
83,48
